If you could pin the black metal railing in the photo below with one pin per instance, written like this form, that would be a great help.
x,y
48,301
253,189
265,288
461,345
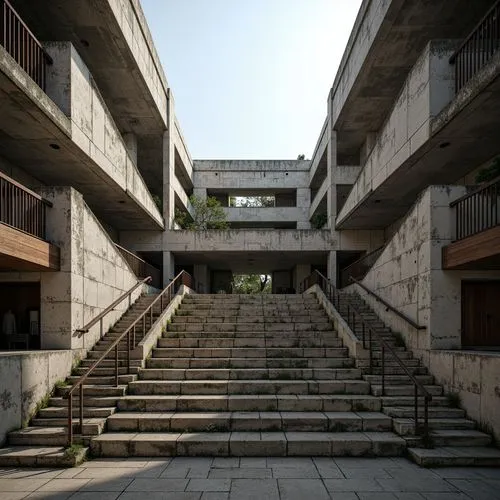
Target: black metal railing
x,y
144,321
477,211
360,267
372,339
22,45
22,208
478,48
140,267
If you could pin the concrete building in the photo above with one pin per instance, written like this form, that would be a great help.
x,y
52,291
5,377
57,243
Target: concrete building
x,y
93,166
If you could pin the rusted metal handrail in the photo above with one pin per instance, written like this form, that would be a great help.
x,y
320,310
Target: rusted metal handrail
x,y
22,208
140,267
355,318
22,45
100,317
477,211
163,299
478,48
387,305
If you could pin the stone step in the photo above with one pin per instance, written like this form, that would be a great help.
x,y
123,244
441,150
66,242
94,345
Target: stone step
x,y
91,426
409,401
214,343
233,402
107,373
234,320
39,436
109,363
221,363
396,370
95,355
203,387
456,456
33,456
251,327
250,374
406,426
88,412
397,379
244,352
256,335
248,444
389,363
249,421
434,412
405,390
102,379
97,402
94,390
460,437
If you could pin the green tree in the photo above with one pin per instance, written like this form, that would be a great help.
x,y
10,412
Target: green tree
x,y
252,283
301,157
251,201
207,214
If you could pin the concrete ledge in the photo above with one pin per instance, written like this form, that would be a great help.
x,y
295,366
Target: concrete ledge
x,y
149,341
353,344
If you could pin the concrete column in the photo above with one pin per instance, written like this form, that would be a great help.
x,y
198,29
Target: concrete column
x,y
300,273
168,268
332,267
130,140
332,190
304,202
201,278
169,167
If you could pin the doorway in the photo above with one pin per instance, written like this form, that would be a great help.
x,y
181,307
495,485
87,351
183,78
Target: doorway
x,y
481,314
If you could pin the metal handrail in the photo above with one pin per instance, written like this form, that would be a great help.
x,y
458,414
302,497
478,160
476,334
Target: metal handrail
x,y
131,344
365,261
387,305
334,297
477,190
99,318
140,267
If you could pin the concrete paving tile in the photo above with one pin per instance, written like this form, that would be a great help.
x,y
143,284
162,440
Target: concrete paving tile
x,y
254,489
45,495
355,485
157,485
298,489
408,496
215,495
489,472
116,462
327,468
241,473
107,473
446,496
161,495
288,462
308,472
226,462
209,485
419,474
18,473
12,485
64,485
175,473
363,463
459,473
13,495
74,472
94,495
414,484
377,495
107,484
371,472
478,489
253,462
198,473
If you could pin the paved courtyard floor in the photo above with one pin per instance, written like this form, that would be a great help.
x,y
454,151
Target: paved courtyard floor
x,y
251,478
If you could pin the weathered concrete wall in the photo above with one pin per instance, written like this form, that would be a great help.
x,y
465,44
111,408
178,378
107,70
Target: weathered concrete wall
x,y
408,273
272,214
71,86
18,174
427,90
25,378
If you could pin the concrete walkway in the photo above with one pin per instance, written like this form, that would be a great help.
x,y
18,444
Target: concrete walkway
x,y
251,478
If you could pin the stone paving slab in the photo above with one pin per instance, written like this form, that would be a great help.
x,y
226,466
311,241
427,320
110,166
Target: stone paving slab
x,y
234,478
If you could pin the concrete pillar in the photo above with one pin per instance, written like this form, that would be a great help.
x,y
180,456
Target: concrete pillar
x,y
332,267
201,278
169,166
130,140
332,190
304,202
300,273
168,268
200,193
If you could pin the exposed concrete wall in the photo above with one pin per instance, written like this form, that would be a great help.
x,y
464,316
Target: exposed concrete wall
x,y
93,274
272,214
71,86
25,378
430,86
408,273
19,175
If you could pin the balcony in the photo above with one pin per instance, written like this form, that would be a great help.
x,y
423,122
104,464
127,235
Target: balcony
x,y
22,230
477,230
17,39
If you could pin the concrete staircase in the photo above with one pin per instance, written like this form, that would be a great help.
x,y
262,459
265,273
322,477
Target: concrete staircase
x,y
241,375
455,440
43,443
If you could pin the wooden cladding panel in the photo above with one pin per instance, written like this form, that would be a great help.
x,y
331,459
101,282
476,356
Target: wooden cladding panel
x,y
20,251
469,252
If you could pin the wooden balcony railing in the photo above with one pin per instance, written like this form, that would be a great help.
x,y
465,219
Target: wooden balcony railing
x,y
22,208
140,267
22,45
478,48
477,211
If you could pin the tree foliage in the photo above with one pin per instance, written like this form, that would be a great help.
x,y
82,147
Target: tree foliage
x,y
252,283
207,214
251,201
489,173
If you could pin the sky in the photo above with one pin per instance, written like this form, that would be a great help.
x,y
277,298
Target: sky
x,y
250,78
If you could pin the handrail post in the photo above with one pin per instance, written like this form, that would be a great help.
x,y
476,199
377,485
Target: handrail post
x,y
426,420
416,410
81,409
371,349
70,420
364,338
101,328
116,365
129,349
383,370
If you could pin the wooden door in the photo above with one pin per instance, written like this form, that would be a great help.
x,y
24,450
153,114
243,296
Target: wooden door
x,y
480,314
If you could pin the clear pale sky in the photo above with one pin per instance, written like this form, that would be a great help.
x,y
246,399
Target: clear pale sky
x,y
251,78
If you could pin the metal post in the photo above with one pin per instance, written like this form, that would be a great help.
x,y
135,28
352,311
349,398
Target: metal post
x,y
116,365
383,370
364,340
371,349
81,409
426,419
70,420
416,409
129,348
101,328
